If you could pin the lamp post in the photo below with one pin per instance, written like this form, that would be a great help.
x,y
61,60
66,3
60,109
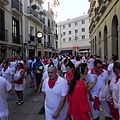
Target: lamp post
x,y
76,38
39,36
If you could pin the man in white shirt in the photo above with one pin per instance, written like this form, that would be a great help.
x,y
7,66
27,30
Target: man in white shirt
x,y
110,68
5,87
115,87
91,62
56,89
7,72
97,78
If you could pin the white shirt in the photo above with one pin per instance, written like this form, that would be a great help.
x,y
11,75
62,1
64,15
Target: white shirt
x,y
110,68
4,87
115,87
53,96
7,74
63,68
90,63
100,81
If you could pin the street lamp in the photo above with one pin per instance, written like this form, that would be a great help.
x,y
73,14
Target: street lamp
x,y
39,36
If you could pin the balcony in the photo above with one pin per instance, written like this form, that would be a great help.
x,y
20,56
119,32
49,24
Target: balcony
x,y
4,2
49,30
93,3
34,15
3,35
45,29
97,14
102,5
32,38
17,7
46,44
17,39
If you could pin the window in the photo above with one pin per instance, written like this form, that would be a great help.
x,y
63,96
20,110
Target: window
x,y
63,26
83,29
63,33
15,31
69,25
2,25
83,21
69,38
76,31
83,36
76,23
69,32
48,22
63,39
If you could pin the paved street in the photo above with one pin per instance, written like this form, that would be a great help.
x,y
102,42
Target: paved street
x,y
29,110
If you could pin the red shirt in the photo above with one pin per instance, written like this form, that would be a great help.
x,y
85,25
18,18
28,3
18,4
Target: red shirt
x,y
69,76
78,102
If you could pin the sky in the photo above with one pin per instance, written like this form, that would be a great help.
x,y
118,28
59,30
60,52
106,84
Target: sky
x,y
71,9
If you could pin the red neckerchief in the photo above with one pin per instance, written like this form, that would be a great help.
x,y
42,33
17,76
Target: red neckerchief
x,y
4,69
93,72
51,83
69,76
117,79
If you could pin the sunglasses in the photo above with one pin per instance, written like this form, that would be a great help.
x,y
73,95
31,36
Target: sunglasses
x,y
98,67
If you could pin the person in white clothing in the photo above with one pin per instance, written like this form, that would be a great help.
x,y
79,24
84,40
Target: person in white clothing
x,y
91,62
96,78
5,88
110,68
56,89
7,72
19,83
115,87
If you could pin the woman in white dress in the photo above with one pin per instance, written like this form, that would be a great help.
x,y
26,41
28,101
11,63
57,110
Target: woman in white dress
x,y
19,83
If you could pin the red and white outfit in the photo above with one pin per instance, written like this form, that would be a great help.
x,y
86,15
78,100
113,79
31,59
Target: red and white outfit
x,y
53,97
20,85
115,87
69,76
4,87
7,74
95,93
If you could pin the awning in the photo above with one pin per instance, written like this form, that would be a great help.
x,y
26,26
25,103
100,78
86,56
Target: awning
x,y
65,52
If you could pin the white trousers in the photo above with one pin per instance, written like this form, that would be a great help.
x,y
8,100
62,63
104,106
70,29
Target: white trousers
x,y
96,113
48,116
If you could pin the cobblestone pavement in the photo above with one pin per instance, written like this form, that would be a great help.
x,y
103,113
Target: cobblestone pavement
x,y
32,104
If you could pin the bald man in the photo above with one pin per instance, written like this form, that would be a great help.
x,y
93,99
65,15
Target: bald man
x,y
56,89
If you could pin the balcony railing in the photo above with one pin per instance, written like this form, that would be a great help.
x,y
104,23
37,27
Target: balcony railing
x,y
45,29
32,38
102,5
49,30
17,5
46,44
4,2
16,38
3,35
36,14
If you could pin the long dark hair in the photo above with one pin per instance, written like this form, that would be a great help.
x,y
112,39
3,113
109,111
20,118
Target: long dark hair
x,y
77,72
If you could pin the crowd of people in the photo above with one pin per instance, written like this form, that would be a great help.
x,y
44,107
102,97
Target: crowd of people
x,y
75,88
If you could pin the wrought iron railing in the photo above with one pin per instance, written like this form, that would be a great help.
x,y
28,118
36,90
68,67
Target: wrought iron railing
x,y
17,5
3,34
16,38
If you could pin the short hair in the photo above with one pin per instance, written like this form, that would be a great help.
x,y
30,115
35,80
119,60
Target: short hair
x,y
116,65
70,64
97,61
